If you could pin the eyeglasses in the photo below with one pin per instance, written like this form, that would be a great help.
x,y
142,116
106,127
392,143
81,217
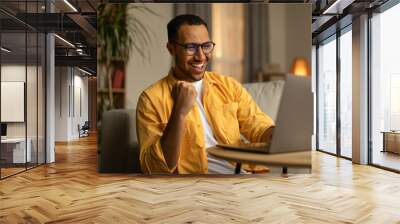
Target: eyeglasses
x,y
192,48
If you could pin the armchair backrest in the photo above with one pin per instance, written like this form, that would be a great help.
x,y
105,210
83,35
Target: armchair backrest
x,y
118,147
267,95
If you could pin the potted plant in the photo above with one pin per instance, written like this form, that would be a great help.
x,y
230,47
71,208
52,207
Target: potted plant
x,y
119,32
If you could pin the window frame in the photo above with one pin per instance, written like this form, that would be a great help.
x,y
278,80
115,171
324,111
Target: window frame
x,y
333,37
27,29
378,10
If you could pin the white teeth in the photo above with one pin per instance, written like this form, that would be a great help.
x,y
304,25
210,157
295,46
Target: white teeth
x,y
197,65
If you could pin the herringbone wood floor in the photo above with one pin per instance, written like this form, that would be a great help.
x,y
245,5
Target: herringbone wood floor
x,y
71,191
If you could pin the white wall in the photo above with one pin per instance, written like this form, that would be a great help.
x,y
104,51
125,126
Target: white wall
x,y
69,82
33,127
277,35
61,103
141,74
17,73
290,33
13,73
80,83
299,35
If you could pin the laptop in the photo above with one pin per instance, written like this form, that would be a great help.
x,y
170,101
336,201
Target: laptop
x,y
294,124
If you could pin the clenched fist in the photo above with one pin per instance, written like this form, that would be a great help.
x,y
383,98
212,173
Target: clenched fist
x,y
184,95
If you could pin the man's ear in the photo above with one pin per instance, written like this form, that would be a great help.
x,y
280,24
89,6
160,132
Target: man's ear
x,y
171,48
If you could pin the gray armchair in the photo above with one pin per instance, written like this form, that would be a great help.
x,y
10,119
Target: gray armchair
x,y
117,142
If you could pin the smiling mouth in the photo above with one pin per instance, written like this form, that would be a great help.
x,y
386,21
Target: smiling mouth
x,y
198,67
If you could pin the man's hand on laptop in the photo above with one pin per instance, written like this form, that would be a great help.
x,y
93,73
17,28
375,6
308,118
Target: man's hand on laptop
x,y
267,136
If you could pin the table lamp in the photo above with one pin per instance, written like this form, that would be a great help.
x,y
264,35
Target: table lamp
x,y
300,67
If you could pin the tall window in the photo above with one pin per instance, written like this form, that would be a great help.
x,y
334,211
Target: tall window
x,y
327,96
346,93
385,88
22,77
330,67
394,102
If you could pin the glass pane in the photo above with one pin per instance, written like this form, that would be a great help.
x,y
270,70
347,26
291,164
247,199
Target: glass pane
x,y
327,96
31,97
13,86
386,89
22,63
346,94
41,98
314,78
32,85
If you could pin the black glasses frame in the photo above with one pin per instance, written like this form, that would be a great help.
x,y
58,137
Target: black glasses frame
x,y
186,46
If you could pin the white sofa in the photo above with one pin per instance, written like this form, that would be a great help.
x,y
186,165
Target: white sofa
x,y
118,147
267,95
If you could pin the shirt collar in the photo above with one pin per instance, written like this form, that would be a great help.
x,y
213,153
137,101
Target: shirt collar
x,y
172,80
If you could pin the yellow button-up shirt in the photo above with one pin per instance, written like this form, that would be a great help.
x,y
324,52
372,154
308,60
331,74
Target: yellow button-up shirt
x,y
229,108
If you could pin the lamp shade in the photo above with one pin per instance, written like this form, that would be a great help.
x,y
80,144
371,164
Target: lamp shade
x,y
300,67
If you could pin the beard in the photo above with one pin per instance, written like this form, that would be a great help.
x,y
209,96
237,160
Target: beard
x,y
184,69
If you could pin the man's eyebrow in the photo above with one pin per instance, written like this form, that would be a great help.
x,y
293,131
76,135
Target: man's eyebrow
x,y
197,43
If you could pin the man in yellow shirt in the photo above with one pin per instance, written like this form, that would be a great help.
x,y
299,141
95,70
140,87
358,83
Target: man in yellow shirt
x,y
192,109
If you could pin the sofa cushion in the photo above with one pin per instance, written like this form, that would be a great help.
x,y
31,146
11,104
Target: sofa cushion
x,y
267,95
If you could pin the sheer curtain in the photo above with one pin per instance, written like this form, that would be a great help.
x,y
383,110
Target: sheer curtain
x,y
202,10
256,39
228,34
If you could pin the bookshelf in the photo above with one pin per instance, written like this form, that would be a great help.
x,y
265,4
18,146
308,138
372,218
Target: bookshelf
x,y
117,91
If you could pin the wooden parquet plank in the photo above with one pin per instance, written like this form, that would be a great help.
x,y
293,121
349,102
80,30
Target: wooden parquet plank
x,y
71,191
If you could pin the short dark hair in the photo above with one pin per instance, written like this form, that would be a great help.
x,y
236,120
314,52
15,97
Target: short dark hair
x,y
185,19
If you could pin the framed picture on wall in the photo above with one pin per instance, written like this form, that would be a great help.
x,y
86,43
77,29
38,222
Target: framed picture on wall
x,y
12,101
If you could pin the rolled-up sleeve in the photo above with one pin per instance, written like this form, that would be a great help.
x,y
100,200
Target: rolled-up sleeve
x,y
253,122
149,131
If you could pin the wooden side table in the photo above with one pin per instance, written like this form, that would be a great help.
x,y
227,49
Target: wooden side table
x,y
293,159
391,141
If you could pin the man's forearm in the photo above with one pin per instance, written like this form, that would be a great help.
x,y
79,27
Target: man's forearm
x,y
184,95
172,138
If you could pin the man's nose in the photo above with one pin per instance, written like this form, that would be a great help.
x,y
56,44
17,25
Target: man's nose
x,y
199,55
